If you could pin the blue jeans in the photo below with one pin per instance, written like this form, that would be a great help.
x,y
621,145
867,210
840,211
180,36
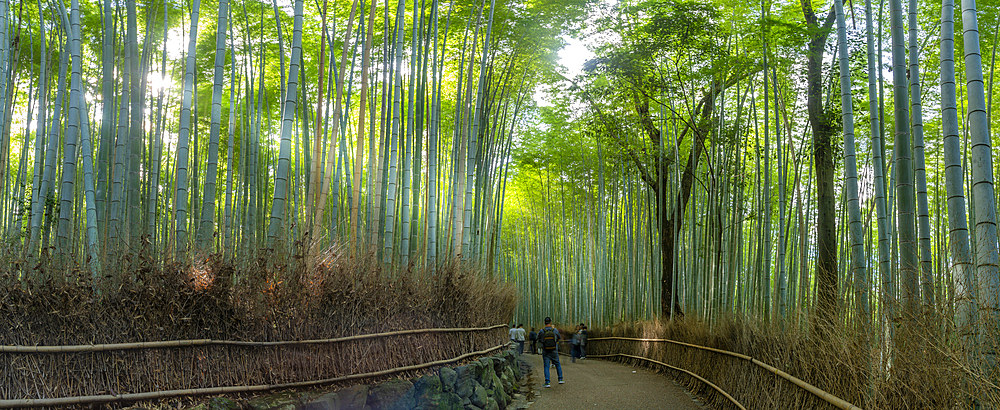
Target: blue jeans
x,y
551,356
520,347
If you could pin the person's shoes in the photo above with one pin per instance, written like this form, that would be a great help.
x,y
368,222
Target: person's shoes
x,y
547,385
562,382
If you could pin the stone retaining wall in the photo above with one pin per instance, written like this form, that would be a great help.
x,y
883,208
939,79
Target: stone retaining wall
x,y
485,384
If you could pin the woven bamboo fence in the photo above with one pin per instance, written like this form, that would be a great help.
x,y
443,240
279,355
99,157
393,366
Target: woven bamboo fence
x,y
730,373
34,375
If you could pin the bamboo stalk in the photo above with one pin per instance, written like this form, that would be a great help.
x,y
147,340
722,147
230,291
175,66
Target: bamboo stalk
x,y
205,342
63,401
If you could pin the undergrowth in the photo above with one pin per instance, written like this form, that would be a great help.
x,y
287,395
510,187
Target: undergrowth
x,y
924,370
269,299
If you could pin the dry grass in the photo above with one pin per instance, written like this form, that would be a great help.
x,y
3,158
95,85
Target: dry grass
x,y
928,371
266,301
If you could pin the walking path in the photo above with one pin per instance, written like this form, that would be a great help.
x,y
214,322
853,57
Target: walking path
x,y
600,384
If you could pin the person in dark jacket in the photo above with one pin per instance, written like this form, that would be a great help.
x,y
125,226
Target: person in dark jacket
x,y
550,343
575,352
531,338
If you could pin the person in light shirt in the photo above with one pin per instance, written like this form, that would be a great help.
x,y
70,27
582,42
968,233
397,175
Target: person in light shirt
x,y
517,336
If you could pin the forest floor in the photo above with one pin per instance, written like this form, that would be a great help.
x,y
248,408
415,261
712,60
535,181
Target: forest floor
x,y
600,384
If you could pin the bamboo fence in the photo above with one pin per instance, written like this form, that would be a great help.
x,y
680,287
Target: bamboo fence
x,y
819,393
207,342
124,372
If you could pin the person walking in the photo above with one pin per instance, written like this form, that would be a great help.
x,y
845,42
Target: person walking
x,y
513,335
549,336
533,337
519,339
575,352
583,341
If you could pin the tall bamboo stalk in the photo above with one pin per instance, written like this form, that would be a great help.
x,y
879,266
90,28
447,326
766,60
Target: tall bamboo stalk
x,y
181,164
287,124
207,226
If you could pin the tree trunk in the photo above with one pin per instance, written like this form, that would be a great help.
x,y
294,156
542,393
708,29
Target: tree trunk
x,y
670,218
826,201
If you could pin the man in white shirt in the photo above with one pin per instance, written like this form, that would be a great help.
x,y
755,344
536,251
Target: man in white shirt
x,y
517,336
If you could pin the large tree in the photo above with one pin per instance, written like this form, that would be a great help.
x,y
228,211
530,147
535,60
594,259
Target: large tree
x,y
823,130
671,63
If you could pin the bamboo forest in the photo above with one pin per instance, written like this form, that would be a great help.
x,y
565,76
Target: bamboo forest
x,y
808,184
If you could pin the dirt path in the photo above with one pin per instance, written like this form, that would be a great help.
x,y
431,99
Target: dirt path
x,y
599,384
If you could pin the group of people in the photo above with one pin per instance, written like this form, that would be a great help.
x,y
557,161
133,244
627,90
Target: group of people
x,y
517,336
549,338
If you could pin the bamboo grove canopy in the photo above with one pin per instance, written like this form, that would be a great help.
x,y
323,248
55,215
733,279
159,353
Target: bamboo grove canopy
x,y
718,158
768,161
166,131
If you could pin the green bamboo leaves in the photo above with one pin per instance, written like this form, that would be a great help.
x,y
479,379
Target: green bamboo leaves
x,y
148,190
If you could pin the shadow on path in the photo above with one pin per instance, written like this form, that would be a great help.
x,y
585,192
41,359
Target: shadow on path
x,y
599,384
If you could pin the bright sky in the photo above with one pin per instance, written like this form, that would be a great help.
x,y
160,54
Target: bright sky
x,y
571,58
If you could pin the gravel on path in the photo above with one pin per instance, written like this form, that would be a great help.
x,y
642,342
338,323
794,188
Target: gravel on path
x,y
600,384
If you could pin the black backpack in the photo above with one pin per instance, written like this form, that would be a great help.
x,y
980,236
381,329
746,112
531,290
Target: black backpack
x,y
548,336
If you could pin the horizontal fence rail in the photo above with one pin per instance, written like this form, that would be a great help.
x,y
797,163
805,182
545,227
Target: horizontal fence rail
x,y
692,374
208,342
107,398
37,376
829,398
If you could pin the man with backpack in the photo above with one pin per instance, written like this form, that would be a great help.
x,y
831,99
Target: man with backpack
x,y
549,337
